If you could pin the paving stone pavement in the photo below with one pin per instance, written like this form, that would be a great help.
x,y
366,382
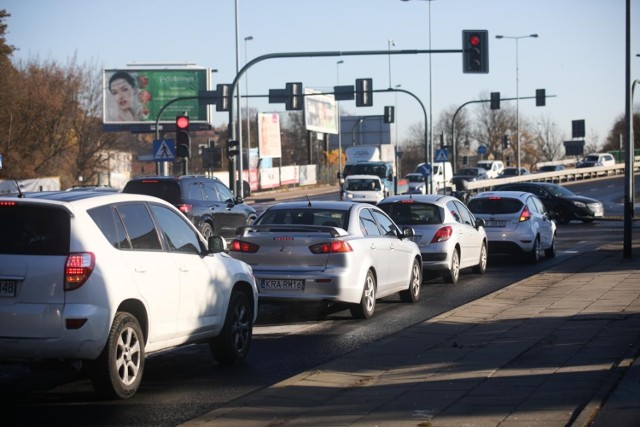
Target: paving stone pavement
x,y
555,349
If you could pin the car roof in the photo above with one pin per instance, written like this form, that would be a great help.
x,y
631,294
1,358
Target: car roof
x,y
504,194
422,198
363,177
319,204
172,177
85,199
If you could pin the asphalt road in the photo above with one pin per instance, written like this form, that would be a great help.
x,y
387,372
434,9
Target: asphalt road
x,y
183,384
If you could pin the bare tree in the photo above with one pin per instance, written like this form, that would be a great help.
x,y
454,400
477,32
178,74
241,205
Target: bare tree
x,y
491,127
548,140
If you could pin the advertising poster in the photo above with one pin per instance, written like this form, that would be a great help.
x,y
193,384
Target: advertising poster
x,y
269,141
137,96
320,112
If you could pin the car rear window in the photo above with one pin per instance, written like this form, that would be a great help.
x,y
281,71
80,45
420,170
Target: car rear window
x,y
34,230
494,205
165,190
413,213
331,218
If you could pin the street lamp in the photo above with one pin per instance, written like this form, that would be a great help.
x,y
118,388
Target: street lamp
x,y
389,44
516,38
246,81
338,63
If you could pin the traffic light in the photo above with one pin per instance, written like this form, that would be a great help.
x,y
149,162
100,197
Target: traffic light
x,y
495,100
475,51
233,149
389,114
541,97
183,140
223,103
364,92
295,97
505,142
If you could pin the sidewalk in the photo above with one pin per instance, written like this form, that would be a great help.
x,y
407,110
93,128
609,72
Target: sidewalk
x,y
546,351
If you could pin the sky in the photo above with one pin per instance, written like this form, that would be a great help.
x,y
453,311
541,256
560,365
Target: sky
x,y
579,56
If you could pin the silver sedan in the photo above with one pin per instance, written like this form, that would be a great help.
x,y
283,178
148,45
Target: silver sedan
x,y
330,251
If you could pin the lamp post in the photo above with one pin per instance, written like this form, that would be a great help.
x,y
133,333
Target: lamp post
x,y
516,38
246,82
390,43
395,92
338,63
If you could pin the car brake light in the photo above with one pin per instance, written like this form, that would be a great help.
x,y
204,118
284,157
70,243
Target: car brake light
x,y
184,208
77,269
7,203
335,247
246,247
525,215
442,234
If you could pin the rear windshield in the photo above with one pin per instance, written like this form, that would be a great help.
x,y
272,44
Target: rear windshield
x,y
494,205
413,213
331,218
34,230
165,190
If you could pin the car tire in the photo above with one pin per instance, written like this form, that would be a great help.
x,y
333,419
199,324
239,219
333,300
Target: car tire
x,y
367,305
563,216
117,372
232,345
481,268
452,275
413,293
207,230
550,252
534,254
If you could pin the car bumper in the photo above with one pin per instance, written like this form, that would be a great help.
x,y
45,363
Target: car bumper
x,y
512,241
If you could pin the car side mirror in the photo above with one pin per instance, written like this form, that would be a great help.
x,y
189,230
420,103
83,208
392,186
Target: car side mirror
x,y
480,223
216,244
408,232
239,200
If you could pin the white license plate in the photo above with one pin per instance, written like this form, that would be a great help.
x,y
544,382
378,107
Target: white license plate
x,y
495,223
281,285
8,288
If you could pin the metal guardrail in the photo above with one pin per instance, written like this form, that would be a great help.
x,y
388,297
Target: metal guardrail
x,y
558,177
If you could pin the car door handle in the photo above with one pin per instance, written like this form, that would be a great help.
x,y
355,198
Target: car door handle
x,y
373,246
184,269
140,269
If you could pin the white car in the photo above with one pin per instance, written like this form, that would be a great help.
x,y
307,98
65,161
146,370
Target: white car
x,y
330,251
417,183
516,222
364,189
449,236
108,278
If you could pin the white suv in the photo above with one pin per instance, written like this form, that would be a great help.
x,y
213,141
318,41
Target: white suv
x,y
515,222
109,278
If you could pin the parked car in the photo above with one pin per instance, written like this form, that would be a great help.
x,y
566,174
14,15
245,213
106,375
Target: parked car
x,y
516,222
364,189
109,278
330,251
466,175
513,171
551,168
450,238
596,159
207,202
562,204
417,183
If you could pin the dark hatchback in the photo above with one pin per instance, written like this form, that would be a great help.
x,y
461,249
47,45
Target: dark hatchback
x,y
563,204
207,202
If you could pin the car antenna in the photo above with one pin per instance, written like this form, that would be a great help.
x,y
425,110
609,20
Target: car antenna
x,y
20,193
308,200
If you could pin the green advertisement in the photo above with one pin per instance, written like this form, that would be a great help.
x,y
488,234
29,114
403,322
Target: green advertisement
x,y
137,96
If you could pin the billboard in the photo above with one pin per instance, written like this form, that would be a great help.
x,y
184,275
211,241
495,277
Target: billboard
x,y
269,142
320,112
136,96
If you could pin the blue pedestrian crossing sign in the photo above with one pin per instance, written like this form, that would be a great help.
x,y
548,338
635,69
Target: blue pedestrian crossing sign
x,y
164,150
442,155
425,169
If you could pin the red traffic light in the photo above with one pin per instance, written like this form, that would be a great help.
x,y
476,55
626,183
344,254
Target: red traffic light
x,y
182,122
474,40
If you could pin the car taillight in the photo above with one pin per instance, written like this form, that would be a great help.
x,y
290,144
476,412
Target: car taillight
x,y
184,208
335,247
525,215
442,234
77,269
240,246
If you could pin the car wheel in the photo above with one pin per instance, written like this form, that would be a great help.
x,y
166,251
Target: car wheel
x,y
452,275
367,305
117,373
481,268
563,216
413,293
550,252
534,255
231,346
207,230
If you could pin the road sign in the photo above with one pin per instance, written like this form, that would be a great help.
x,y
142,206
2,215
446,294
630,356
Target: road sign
x,y
164,150
425,169
442,155
482,150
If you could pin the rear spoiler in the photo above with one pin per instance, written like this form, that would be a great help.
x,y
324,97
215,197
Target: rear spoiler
x,y
289,228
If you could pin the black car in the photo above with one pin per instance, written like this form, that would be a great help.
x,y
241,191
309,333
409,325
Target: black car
x,y
465,175
206,201
563,204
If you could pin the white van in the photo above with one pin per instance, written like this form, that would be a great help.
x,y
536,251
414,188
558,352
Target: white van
x,y
494,167
441,174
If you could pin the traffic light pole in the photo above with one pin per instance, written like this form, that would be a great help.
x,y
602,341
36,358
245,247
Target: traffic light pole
x,y
165,170
233,124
